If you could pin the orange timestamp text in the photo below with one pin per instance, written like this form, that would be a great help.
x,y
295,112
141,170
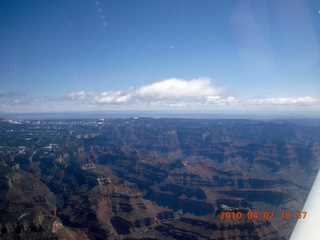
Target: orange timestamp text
x,y
261,215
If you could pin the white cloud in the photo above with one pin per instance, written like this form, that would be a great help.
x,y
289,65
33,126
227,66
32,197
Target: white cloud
x,y
178,89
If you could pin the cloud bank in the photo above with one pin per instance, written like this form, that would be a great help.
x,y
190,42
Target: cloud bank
x,y
167,92
179,93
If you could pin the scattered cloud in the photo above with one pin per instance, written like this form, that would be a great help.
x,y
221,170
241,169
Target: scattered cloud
x,y
14,94
82,95
300,101
112,98
174,93
13,99
216,100
18,101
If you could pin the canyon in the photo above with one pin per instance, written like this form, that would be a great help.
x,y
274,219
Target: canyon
x,y
155,178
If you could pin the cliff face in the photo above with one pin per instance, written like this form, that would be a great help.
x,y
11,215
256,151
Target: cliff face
x,y
28,207
155,178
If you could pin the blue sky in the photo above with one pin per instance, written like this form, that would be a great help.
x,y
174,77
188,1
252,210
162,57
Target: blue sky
x,y
155,54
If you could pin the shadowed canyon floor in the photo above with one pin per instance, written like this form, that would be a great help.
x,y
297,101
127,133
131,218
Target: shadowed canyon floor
x,y
148,178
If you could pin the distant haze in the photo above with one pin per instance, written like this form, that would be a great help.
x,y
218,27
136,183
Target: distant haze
x,y
287,116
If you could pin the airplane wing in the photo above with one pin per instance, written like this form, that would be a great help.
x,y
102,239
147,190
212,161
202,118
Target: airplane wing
x,y
309,227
